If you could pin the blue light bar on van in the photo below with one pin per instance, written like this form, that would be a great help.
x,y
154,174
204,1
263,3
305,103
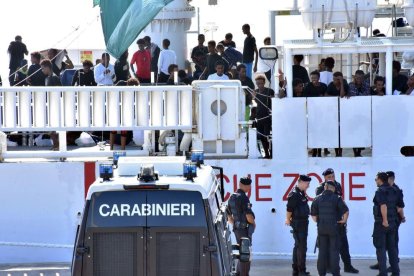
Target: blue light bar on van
x,y
106,171
116,156
189,170
197,156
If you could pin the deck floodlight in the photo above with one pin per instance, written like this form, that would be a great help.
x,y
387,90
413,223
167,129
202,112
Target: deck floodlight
x,y
147,173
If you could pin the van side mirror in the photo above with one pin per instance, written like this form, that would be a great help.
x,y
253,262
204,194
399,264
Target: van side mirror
x,y
268,53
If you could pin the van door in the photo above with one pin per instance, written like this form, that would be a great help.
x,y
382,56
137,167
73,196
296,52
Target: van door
x,y
177,244
114,235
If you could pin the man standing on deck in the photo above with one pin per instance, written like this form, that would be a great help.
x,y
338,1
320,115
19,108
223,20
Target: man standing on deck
x,y
250,53
17,49
104,72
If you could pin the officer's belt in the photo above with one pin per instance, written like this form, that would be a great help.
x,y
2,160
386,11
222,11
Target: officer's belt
x,y
301,219
240,225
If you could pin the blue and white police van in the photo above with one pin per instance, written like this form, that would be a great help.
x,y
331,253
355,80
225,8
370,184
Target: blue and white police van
x,y
154,216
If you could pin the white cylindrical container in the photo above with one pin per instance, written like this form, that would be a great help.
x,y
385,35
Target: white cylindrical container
x,y
409,11
172,22
337,13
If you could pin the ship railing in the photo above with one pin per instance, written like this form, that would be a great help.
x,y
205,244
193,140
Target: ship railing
x,y
61,109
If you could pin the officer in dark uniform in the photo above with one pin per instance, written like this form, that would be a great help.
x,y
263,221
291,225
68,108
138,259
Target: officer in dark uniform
x,y
400,210
297,216
242,218
385,226
329,210
329,175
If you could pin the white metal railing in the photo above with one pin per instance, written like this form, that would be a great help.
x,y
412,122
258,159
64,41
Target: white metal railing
x,y
95,108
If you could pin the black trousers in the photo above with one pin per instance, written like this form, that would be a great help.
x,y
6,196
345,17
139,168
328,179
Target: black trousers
x,y
384,240
300,235
243,268
162,78
328,250
344,246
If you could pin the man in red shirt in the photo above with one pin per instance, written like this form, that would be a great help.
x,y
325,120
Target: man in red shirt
x,y
142,60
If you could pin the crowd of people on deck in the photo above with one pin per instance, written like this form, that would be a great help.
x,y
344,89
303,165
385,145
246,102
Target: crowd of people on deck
x,y
217,61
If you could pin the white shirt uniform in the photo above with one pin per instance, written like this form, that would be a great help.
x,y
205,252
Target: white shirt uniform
x,y
326,77
101,78
166,58
217,77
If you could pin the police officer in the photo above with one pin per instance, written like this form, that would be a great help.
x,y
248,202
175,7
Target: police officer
x,y
400,210
329,175
385,226
242,218
297,216
329,210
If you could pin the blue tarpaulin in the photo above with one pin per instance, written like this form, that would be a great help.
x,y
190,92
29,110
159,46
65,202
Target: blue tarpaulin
x,y
124,20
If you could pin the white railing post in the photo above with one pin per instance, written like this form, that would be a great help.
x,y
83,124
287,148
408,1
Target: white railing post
x,y
54,109
98,108
157,110
84,109
24,114
127,103
112,108
10,109
171,108
69,108
142,108
186,103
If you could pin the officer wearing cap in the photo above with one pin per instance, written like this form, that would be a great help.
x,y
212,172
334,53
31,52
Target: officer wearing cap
x,y
242,217
400,211
385,225
297,216
329,175
329,210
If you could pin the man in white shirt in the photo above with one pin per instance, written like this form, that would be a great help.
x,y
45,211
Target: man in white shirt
x,y
166,58
104,72
326,76
219,75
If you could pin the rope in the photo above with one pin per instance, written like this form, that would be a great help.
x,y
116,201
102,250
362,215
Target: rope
x,y
34,244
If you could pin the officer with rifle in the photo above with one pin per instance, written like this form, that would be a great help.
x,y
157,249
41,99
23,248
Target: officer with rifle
x,y
242,217
385,226
329,211
329,175
297,216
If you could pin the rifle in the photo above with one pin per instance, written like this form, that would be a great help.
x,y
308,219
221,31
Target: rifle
x,y
316,244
